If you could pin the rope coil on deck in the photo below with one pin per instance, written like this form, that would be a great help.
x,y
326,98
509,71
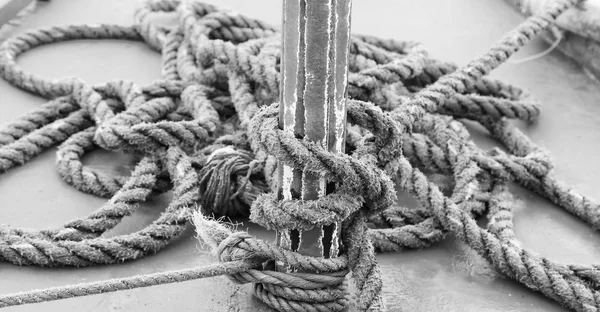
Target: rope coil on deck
x,y
207,129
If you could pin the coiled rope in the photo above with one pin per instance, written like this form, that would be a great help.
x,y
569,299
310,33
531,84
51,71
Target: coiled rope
x,y
208,131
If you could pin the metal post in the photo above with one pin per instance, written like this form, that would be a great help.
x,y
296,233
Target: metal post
x,y
314,69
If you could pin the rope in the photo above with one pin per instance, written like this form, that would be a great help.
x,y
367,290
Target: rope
x,y
102,287
208,130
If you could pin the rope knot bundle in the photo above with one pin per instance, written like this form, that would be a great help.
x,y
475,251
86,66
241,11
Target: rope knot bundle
x,y
325,290
207,129
225,181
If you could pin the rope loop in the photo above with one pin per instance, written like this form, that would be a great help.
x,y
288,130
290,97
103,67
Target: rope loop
x,y
275,214
323,290
51,88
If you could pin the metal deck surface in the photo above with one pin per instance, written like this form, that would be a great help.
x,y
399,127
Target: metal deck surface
x,y
447,277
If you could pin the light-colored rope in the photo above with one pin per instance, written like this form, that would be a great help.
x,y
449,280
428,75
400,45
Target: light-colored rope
x,y
117,284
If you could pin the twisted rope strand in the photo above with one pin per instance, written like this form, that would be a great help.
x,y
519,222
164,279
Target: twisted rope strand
x,y
102,287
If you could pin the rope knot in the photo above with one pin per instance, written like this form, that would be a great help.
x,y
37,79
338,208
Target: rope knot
x,y
284,291
228,249
294,290
274,214
230,182
361,190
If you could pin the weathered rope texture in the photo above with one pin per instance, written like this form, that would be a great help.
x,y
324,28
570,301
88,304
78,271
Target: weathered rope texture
x,y
208,130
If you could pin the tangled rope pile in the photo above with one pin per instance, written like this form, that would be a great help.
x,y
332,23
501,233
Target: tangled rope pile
x,y
207,131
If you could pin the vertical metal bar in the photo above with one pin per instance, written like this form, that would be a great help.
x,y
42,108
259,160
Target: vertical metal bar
x,y
315,43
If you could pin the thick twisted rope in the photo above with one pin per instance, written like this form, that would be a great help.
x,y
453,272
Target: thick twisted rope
x,y
207,130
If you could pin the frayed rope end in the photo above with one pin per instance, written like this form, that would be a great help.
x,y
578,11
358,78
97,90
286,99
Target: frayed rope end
x,y
211,231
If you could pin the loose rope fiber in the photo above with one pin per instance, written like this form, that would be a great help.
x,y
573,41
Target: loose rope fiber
x,y
208,130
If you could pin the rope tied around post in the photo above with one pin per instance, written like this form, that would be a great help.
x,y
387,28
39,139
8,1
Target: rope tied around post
x,y
207,129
